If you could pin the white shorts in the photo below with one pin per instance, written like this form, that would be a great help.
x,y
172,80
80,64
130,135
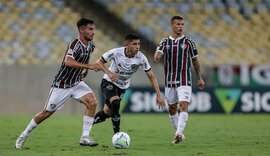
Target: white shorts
x,y
174,95
58,96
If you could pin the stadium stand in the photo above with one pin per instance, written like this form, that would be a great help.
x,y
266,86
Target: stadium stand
x,y
226,31
37,32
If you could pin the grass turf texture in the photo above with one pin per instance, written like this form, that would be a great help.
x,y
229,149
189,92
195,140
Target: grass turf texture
x,y
150,135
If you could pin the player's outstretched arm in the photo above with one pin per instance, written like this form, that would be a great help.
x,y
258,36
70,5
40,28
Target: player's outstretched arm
x,y
153,80
70,62
196,65
114,77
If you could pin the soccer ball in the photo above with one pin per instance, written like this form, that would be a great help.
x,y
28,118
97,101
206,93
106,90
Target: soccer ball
x,y
121,140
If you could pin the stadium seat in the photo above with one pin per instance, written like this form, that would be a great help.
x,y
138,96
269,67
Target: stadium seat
x,y
37,32
221,28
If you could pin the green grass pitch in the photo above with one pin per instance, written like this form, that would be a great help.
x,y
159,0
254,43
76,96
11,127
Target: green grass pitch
x,y
151,135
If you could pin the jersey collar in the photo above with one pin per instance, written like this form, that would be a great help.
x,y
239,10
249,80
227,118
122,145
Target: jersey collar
x,y
178,38
85,46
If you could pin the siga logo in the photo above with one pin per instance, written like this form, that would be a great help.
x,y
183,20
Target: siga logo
x,y
227,98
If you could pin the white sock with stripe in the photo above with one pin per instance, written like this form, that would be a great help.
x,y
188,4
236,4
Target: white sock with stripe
x,y
182,121
31,126
87,125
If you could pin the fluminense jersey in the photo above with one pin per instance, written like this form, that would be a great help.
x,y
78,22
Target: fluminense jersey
x,y
177,60
124,66
68,77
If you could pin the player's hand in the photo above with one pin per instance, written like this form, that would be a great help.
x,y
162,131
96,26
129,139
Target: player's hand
x,y
200,84
113,76
157,56
160,102
84,73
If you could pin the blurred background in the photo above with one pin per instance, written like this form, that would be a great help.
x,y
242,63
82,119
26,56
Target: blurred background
x,y
232,38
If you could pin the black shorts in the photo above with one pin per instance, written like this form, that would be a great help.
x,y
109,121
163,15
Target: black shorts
x,y
109,90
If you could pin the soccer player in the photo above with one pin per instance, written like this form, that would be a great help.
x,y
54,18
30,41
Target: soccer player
x,y
178,51
125,62
68,83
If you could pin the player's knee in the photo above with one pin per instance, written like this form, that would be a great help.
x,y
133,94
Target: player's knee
x,y
91,103
184,106
89,100
172,109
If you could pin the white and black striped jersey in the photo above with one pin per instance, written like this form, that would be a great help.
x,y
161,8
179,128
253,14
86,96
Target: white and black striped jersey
x,y
124,66
67,76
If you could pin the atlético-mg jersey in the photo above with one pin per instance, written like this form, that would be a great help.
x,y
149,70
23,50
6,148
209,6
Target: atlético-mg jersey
x,y
177,54
68,77
124,66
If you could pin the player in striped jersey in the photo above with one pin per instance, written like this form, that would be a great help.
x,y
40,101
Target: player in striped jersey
x,y
68,83
178,51
125,62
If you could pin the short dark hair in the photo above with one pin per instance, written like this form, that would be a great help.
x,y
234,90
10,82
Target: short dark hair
x,y
132,36
176,18
84,22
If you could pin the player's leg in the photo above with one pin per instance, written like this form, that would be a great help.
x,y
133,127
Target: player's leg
x,y
183,117
184,96
108,91
90,102
171,98
182,121
173,114
55,100
115,115
36,120
102,115
86,96
112,94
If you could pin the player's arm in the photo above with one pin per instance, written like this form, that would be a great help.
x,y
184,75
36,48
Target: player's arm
x,y
159,50
113,76
70,62
196,65
154,83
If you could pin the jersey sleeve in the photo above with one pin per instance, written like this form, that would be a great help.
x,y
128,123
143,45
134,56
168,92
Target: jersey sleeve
x,y
72,49
109,55
145,63
161,46
193,50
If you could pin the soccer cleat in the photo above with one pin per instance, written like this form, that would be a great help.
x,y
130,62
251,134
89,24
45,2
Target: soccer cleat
x,y
87,141
178,138
20,141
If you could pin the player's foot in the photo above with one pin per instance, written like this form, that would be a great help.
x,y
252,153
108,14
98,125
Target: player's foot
x,y
20,141
178,138
87,141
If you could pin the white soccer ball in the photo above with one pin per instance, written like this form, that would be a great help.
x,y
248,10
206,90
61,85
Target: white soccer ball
x,y
121,140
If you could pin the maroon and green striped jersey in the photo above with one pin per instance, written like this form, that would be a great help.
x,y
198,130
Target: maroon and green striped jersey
x,y
177,54
68,77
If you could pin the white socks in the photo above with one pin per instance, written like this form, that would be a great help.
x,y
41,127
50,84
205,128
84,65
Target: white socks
x,y
87,125
174,120
32,125
182,121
